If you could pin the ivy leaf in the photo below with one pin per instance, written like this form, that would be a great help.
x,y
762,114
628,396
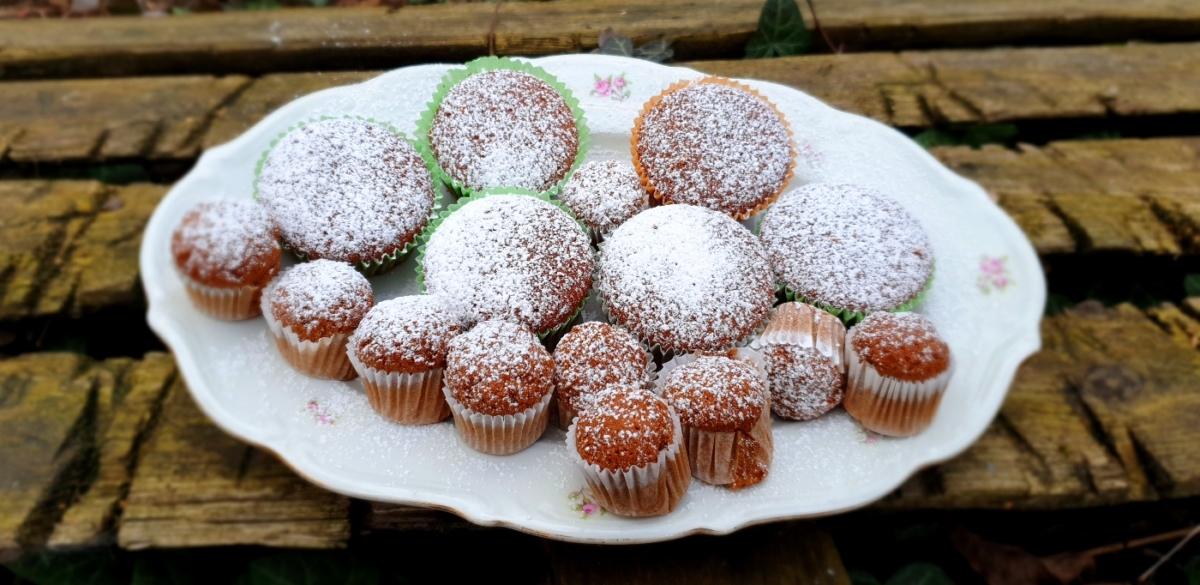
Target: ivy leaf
x,y
862,578
93,567
312,568
1191,287
920,574
1192,569
655,51
1056,303
614,43
781,31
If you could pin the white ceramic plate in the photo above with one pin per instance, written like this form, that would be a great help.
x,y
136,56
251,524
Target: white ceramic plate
x,y
987,300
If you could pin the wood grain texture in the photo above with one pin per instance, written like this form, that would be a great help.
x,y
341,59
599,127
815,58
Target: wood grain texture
x,y
69,247
197,486
298,39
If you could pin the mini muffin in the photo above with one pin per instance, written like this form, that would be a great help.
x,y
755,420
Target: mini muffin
x,y
898,370
509,256
226,251
347,190
591,357
714,143
499,381
725,409
802,349
399,351
630,446
846,248
504,128
603,195
312,309
685,279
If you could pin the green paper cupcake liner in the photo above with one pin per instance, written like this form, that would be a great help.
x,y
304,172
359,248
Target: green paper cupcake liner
x,y
480,65
386,262
850,317
436,222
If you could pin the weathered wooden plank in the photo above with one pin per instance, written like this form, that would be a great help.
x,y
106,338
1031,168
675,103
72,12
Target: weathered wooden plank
x,y
70,246
99,119
43,411
790,552
197,486
282,40
125,416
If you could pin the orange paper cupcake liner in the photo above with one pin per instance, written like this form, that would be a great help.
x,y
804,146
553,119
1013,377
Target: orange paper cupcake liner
x,y
656,196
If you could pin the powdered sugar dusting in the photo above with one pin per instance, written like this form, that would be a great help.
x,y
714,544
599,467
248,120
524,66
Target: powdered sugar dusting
x,y
409,334
346,190
498,368
623,427
223,242
901,345
685,278
511,257
716,146
716,393
604,194
311,296
593,356
804,384
504,129
846,246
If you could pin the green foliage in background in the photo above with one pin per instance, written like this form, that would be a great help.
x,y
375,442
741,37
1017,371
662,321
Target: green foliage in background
x,y
1191,285
781,31
911,574
974,136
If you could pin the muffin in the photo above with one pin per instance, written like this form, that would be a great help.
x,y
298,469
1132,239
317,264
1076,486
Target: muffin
x,y
501,123
508,256
347,190
713,143
603,195
725,410
898,370
802,349
685,279
591,357
629,444
847,248
312,309
499,381
226,251
399,351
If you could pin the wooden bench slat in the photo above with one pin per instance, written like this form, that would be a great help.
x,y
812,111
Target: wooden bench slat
x,y
307,39
197,486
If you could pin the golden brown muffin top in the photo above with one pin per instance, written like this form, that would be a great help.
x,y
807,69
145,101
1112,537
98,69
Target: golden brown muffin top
x,y
623,427
498,368
227,243
717,394
904,346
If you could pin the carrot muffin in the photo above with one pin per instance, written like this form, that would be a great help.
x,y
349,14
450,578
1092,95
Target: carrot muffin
x,y
312,309
347,190
399,351
591,357
898,370
227,251
513,257
504,128
713,143
499,381
603,195
846,248
725,410
802,349
629,444
685,279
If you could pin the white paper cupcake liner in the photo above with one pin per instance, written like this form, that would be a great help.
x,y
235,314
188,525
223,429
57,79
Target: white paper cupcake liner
x,y
411,399
796,324
500,435
324,358
714,455
224,303
653,489
889,406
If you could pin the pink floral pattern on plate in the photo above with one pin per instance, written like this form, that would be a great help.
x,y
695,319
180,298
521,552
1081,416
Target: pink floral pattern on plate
x,y
583,502
319,413
993,275
867,437
613,87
